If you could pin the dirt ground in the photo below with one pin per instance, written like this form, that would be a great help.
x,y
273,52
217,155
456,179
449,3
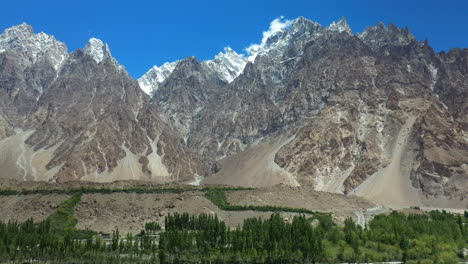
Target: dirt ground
x,y
255,166
339,205
31,185
22,207
129,212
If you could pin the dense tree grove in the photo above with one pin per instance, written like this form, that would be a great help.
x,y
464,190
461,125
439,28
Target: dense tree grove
x,y
40,241
434,237
437,237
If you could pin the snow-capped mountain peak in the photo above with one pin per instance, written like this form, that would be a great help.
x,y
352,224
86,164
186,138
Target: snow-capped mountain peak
x,y
23,27
282,34
340,26
21,39
151,80
277,27
100,52
227,65
97,49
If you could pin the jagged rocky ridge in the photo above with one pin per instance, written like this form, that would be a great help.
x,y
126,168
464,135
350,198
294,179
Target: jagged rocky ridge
x,y
225,67
80,117
377,114
363,114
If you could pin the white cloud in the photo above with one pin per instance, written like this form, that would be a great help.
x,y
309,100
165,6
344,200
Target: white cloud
x,y
275,26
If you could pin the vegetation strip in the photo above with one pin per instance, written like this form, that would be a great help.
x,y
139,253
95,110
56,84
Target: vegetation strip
x,y
106,190
63,221
218,197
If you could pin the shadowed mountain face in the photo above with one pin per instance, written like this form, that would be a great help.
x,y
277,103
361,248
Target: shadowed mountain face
x,y
377,114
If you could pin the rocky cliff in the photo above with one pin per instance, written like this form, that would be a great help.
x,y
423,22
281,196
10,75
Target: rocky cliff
x,y
84,118
377,114
368,112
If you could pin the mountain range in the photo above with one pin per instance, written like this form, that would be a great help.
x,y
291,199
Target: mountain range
x,y
376,114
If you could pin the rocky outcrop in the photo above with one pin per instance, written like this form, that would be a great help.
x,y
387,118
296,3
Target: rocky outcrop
x,y
361,130
90,121
358,105
152,79
317,106
28,64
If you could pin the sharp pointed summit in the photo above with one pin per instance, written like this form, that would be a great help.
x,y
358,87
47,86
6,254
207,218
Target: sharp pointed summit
x,y
340,26
151,80
379,36
315,106
225,66
228,65
97,49
23,27
33,47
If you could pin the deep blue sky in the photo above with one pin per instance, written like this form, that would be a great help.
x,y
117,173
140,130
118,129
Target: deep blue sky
x,y
143,33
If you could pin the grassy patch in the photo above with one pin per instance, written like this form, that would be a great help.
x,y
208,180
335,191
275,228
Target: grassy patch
x,y
63,219
218,197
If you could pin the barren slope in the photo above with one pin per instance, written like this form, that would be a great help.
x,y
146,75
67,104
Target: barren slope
x,y
391,185
255,166
36,206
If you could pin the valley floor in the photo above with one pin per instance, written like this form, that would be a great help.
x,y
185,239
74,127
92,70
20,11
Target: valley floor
x,y
130,210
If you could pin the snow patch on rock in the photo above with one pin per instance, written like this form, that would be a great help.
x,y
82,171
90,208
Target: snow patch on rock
x,y
152,79
276,26
227,65
100,52
340,26
21,38
97,49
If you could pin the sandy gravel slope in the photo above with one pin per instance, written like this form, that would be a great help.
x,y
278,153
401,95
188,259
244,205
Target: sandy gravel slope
x,y
255,166
129,212
341,206
391,185
22,207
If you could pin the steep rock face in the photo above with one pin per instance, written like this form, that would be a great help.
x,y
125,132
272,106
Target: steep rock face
x,y
151,80
185,93
443,150
32,47
249,107
375,128
340,26
29,63
450,76
226,66
380,36
246,109
368,111
91,122
377,114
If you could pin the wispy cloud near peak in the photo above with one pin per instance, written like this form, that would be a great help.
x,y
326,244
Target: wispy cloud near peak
x,y
276,25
